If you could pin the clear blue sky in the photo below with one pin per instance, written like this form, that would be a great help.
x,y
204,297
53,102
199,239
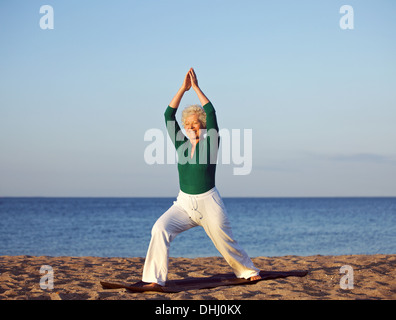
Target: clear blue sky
x,y
76,101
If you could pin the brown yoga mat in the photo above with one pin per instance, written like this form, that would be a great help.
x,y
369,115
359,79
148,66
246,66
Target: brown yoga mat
x,y
227,279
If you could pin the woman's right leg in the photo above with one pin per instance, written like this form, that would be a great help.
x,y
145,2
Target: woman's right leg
x,y
166,228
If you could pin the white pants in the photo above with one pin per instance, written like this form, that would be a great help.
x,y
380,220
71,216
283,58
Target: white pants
x,y
206,210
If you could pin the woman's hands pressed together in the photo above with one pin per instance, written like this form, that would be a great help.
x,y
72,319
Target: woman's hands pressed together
x,y
193,79
187,82
190,80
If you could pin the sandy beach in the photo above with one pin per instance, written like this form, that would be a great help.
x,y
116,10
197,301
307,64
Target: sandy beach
x,y
78,278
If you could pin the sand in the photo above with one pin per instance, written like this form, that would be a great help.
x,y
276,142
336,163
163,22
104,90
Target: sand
x,y
77,278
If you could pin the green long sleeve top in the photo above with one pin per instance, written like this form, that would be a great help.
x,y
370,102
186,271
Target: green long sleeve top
x,y
196,174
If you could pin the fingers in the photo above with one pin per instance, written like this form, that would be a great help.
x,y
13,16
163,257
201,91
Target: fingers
x,y
192,73
187,77
187,82
193,76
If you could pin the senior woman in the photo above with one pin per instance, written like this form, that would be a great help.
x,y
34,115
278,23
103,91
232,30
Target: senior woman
x,y
198,202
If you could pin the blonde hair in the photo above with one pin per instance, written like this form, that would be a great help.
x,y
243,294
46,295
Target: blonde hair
x,y
195,109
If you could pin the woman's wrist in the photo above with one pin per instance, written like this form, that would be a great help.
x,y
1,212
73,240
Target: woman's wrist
x,y
182,90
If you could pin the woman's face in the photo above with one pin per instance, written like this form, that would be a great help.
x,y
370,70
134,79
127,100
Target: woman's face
x,y
192,125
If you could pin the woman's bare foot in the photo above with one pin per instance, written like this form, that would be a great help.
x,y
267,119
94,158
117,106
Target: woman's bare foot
x,y
254,278
152,285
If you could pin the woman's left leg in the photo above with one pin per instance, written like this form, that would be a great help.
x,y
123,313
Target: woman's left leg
x,y
217,226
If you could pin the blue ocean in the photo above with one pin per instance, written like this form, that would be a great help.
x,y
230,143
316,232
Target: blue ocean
x,y
120,227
